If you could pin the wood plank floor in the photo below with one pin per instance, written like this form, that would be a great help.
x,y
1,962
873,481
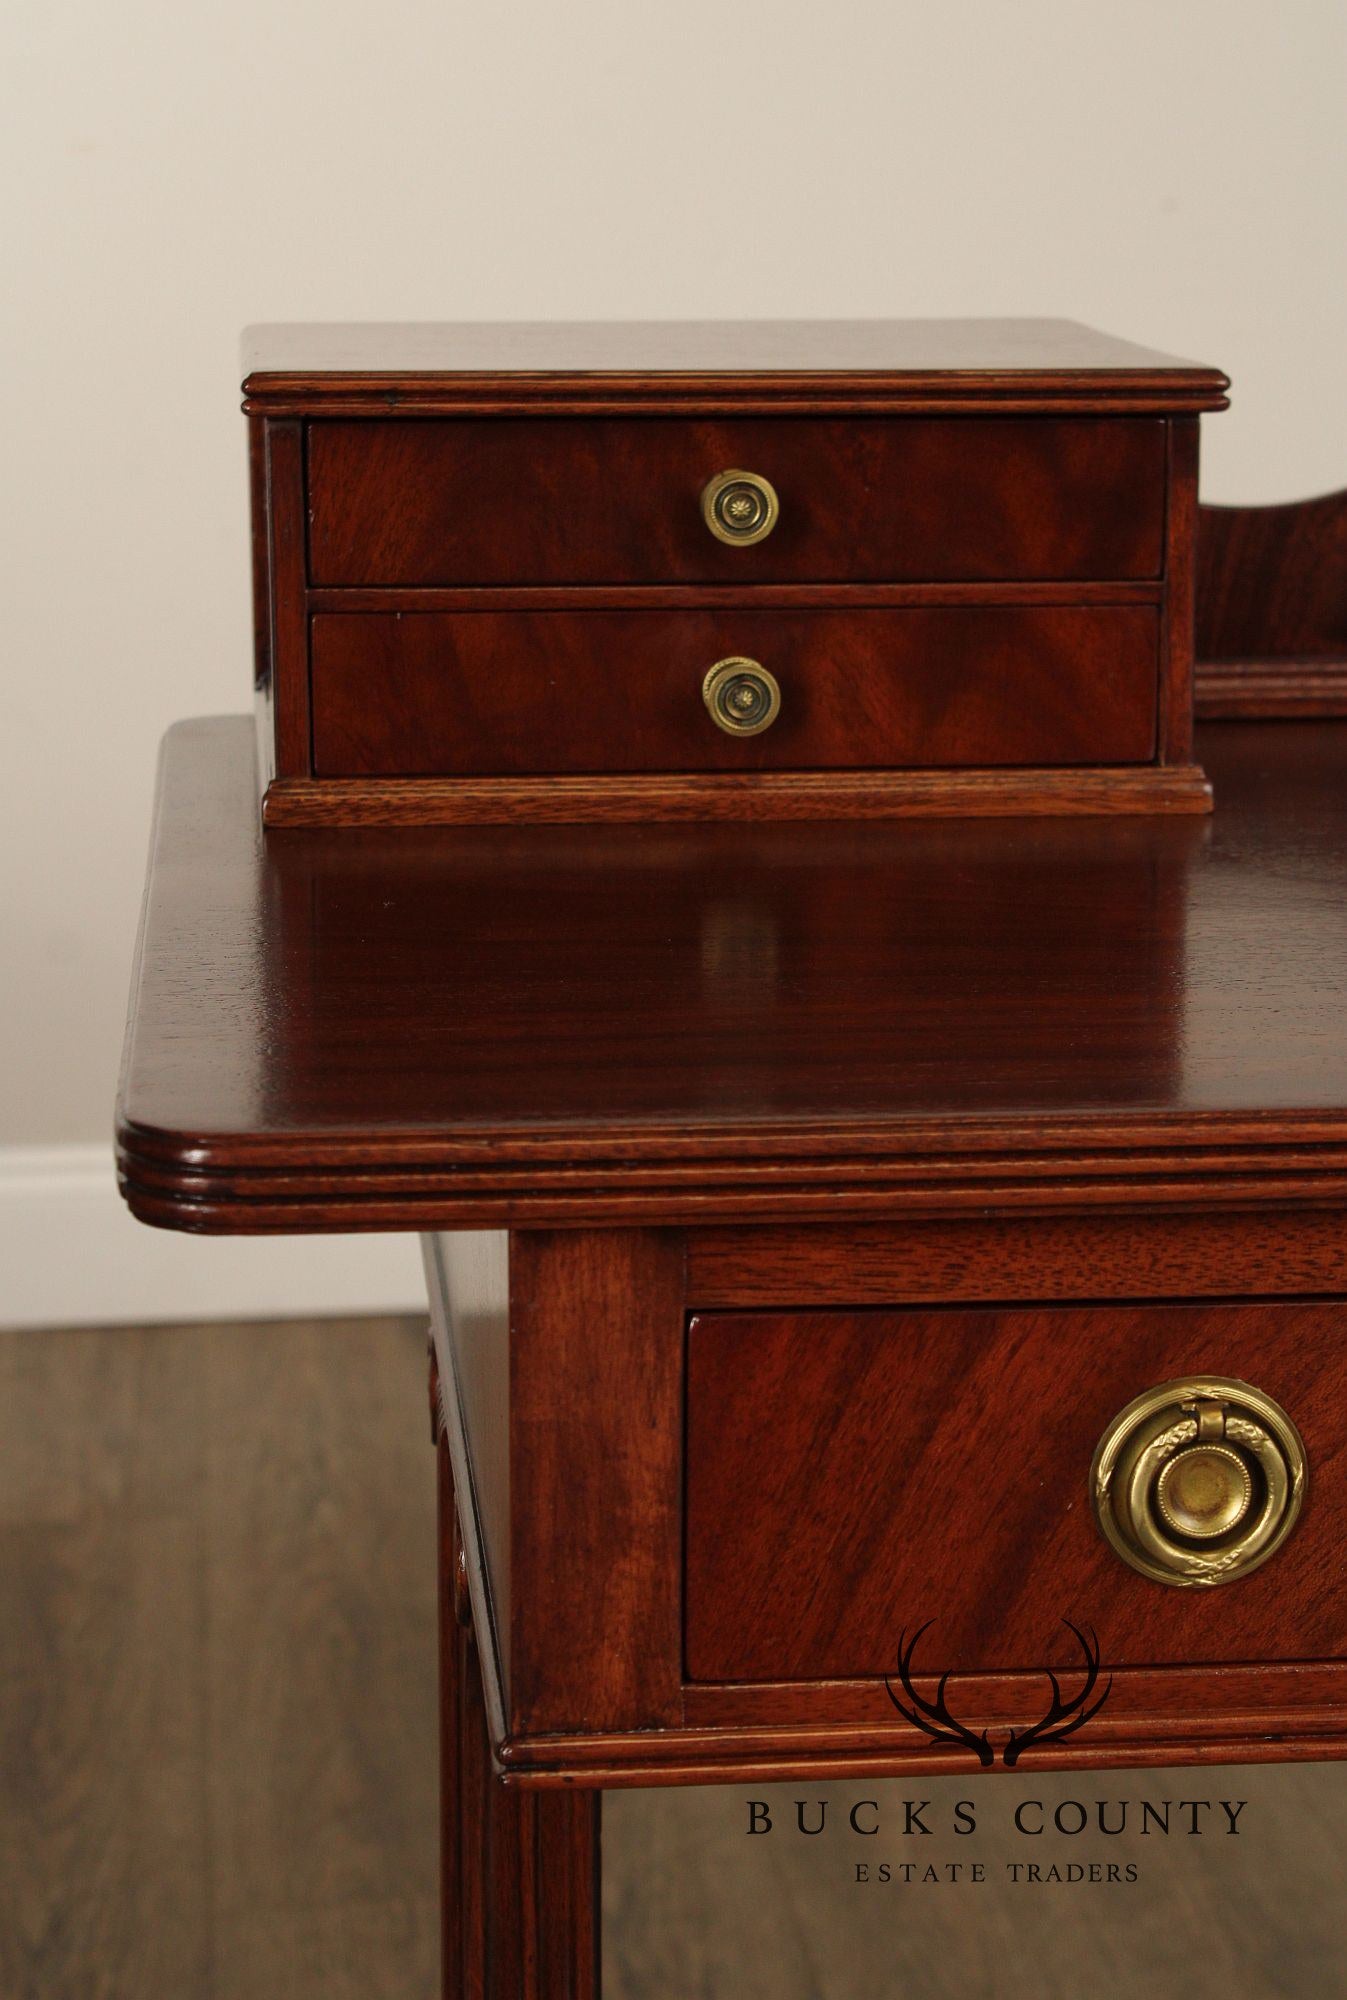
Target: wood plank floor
x,y
217,1740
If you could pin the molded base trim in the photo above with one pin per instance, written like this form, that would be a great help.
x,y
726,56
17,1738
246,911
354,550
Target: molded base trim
x,y
765,795
1272,690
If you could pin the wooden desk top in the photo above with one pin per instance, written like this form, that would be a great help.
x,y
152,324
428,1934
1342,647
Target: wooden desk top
x,y
438,1027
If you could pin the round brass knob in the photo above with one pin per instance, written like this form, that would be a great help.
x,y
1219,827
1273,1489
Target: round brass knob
x,y
1198,1481
740,507
1204,1490
742,696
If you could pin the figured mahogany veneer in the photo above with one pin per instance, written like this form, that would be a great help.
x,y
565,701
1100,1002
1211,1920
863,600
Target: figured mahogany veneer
x,y
452,525
611,500
487,693
853,1474
655,1611
1272,609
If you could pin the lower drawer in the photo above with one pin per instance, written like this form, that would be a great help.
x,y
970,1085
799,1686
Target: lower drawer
x,y
854,1475
495,693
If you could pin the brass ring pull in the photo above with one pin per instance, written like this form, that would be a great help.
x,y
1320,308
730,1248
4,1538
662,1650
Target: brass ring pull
x,y
1198,1481
740,507
742,696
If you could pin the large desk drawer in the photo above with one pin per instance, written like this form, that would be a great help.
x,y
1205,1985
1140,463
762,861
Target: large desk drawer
x,y
474,501
462,693
854,1475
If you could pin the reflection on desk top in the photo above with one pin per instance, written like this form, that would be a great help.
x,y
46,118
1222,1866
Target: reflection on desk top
x,y
439,1026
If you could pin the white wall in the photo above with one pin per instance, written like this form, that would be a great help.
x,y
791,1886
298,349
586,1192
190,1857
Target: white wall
x,y
1173,172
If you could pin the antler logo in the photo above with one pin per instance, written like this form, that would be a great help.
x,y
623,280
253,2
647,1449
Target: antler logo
x,y
1061,1719
934,1716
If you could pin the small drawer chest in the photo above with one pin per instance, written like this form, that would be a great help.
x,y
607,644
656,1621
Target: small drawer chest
x,y
658,572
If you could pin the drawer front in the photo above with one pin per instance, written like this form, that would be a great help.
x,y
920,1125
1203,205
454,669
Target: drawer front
x,y
497,693
852,1475
434,502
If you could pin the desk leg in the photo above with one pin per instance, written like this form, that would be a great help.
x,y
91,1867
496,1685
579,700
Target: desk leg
x,y
519,1870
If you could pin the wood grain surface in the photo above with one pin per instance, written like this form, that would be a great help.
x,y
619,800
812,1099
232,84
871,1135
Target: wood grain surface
x,y
835,1463
519,1872
518,692
281,658
1091,1256
613,501
694,1906
715,1578
216,1664
698,799
596,1469
990,455
1272,609
854,1474
417,1027
881,364
1273,582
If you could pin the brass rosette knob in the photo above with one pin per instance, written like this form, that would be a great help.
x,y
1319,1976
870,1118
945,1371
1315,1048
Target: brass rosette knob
x,y
1198,1481
742,697
740,507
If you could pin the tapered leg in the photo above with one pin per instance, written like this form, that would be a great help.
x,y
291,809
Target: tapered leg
x,y
518,1869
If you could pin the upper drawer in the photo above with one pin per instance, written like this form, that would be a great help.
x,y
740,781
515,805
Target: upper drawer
x,y
432,502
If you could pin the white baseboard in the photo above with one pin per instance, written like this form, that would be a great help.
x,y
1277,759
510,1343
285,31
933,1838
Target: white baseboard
x,y
72,1255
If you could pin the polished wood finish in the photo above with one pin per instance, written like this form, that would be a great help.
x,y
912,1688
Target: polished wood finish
x,y
512,472
943,1260
467,1278
435,1028
537,1418
861,1500
1176,667
519,1870
1275,690
1069,791
1272,609
1085,1078
420,503
525,693
596,1397
284,677
1041,365
259,514
853,1474
748,596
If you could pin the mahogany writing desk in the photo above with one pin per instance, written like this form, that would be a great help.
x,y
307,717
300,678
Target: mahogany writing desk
x,y
884,1232
803,1205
